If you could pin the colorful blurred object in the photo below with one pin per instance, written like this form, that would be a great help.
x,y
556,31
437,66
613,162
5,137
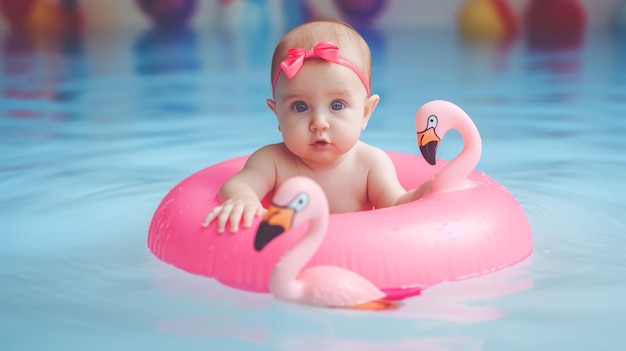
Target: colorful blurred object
x,y
360,13
554,23
168,13
16,12
56,16
487,19
43,16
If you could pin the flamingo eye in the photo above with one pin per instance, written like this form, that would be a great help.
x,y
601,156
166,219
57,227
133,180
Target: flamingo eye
x,y
299,202
432,122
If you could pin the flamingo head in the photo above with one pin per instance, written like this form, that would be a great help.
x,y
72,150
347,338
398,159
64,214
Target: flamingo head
x,y
432,122
296,200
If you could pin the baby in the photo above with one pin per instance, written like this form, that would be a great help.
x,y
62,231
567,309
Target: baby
x,y
321,73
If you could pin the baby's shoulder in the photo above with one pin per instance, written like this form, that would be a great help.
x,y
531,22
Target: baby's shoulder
x,y
272,151
371,155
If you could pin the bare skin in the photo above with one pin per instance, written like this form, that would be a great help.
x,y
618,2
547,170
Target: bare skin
x,y
321,113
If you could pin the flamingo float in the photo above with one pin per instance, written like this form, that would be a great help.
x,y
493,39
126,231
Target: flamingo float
x,y
432,121
465,225
297,200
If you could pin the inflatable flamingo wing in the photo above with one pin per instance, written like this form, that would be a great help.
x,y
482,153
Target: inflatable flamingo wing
x,y
297,200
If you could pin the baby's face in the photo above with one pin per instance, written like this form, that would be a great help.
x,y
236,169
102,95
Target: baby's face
x,y
321,111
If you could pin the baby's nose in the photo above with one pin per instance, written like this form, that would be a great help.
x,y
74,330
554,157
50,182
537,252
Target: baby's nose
x,y
319,122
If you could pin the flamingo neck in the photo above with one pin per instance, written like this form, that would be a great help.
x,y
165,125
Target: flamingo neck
x,y
284,278
454,175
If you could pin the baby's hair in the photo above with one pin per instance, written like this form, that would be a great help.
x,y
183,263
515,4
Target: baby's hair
x,y
352,46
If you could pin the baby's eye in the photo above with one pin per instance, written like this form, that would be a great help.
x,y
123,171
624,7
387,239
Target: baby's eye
x,y
299,106
337,105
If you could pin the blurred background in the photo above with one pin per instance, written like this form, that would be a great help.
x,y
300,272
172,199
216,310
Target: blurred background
x,y
66,24
51,41
53,15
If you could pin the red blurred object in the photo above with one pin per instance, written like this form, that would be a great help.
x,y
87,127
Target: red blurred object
x,y
508,17
554,23
16,12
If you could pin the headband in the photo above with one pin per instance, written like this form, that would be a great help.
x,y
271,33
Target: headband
x,y
325,50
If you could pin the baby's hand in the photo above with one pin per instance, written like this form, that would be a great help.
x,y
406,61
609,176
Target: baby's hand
x,y
424,189
233,211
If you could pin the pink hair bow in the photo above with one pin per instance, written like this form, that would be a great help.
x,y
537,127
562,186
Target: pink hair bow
x,y
325,50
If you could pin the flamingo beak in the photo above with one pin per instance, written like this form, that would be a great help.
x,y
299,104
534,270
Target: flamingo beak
x,y
276,221
428,142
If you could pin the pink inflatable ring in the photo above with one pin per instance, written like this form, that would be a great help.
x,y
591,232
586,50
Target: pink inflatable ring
x,y
468,226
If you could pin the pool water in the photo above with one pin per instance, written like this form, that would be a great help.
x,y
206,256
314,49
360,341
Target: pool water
x,y
96,128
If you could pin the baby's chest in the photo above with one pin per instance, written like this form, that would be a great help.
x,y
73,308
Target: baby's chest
x,y
346,193
345,187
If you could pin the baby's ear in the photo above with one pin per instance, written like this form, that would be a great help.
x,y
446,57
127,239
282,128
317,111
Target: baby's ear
x,y
271,104
370,105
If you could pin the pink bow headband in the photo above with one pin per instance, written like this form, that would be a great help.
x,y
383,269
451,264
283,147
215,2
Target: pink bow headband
x,y
325,50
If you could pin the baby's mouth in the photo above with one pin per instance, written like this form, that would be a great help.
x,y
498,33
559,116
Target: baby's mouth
x,y
321,143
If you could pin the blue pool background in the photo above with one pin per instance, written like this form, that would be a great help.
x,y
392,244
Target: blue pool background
x,y
95,129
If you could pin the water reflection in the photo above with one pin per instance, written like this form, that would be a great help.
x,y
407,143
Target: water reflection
x,y
258,320
168,13
218,328
493,55
43,67
619,41
18,49
555,74
166,50
442,343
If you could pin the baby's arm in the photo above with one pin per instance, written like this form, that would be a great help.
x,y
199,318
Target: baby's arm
x,y
240,195
385,189
415,194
